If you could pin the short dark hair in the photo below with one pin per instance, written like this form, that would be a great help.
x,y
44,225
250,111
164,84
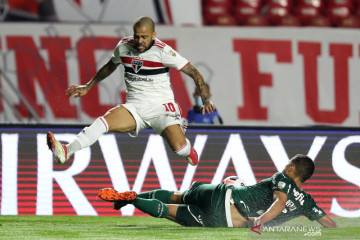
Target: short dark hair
x,y
141,21
305,166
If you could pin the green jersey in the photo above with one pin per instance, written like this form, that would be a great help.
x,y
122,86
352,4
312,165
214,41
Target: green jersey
x,y
253,200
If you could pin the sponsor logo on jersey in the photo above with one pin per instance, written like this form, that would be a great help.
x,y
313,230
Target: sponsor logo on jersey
x,y
132,78
299,196
291,205
136,64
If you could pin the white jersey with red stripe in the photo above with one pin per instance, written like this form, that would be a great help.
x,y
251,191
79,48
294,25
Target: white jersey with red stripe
x,y
146,74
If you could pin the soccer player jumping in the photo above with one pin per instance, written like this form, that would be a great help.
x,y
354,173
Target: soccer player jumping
x,y
149,100
271,201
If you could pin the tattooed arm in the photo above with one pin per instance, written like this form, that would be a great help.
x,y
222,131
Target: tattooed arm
x,y
81,90
191,71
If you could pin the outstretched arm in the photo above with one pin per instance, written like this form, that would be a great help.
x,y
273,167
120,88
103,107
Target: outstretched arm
x,y
191,71
327,222
274,210
81,90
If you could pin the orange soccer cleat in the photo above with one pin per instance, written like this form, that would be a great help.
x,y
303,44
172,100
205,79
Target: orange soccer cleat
x,y
119,199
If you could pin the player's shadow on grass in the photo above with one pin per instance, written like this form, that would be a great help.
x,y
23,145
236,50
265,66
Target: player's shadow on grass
x,y
147,226
153,226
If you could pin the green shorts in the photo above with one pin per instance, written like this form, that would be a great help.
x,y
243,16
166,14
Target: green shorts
x,y
204,206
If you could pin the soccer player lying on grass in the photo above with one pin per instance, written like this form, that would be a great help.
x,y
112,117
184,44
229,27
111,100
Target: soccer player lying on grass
x,y
272,201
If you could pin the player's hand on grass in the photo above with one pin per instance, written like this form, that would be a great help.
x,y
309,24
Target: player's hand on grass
x,y
208,107
76,91
254,221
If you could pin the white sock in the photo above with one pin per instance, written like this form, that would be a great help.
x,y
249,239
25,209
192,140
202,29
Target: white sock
x,y
185,150
88,136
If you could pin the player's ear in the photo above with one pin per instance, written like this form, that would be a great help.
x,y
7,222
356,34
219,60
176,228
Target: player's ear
x,y
153,35
292,167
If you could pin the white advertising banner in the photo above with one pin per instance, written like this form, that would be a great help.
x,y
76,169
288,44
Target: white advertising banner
x,y
32,184
257,76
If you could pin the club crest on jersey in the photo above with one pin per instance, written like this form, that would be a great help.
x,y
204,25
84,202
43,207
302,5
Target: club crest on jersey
x,y
136,64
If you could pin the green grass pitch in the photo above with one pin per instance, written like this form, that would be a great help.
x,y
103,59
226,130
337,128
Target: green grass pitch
x,y
146,228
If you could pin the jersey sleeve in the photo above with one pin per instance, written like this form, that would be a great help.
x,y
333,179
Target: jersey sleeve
x,y
170,58
115,58
281,183
313,211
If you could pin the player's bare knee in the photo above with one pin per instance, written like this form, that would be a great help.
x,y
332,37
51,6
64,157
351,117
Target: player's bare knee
x,y
176,197
172,211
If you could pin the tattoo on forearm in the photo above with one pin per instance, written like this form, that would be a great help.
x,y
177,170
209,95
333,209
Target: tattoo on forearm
x,y
103,73
199,81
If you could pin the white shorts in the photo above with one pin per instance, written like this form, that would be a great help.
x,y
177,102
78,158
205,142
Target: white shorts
x,y
157,117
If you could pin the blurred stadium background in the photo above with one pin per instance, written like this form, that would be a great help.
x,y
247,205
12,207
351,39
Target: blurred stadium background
x,y
284,75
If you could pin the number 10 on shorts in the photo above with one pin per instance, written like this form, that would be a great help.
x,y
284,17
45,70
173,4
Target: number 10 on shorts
x,y
169,107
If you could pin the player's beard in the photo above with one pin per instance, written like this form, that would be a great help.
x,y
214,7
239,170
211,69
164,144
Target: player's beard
x,y
144,47
141,48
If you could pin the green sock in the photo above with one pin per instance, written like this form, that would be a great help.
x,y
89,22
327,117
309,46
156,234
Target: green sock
x,y
159,194
152,207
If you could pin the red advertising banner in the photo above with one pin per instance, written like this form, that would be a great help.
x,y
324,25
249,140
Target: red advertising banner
x,y
31,184
257,76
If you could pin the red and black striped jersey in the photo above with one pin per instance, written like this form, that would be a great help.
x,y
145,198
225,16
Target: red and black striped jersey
x,y
146,74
